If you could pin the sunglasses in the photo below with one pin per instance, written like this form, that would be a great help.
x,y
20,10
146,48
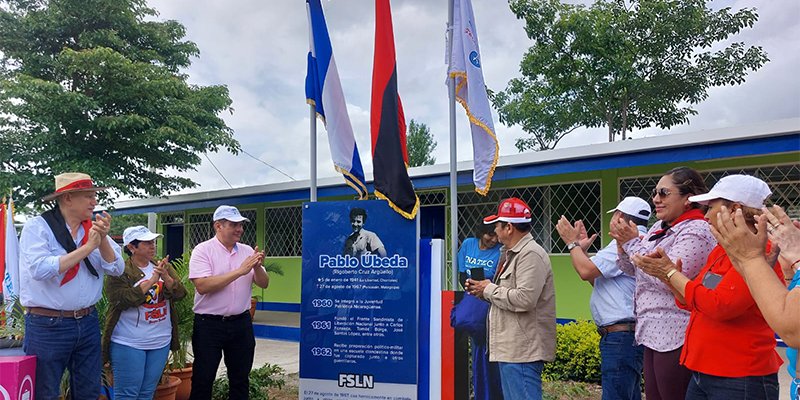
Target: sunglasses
x,y
663,192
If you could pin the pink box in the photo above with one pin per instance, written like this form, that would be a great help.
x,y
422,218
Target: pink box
x,y
17,377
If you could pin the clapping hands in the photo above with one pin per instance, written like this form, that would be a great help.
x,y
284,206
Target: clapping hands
x,y
574,233
100,228
741,244
255,259
162,269
623,231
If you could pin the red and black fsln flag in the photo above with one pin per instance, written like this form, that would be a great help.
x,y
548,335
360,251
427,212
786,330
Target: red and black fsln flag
x,y
388,125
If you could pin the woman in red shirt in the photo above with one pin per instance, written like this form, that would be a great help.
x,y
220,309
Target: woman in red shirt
x,y
729,346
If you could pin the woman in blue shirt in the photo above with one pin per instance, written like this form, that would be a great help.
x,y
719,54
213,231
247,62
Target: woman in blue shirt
x,y
481,251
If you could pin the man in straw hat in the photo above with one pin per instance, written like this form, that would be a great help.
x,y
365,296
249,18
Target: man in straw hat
x,y
64,255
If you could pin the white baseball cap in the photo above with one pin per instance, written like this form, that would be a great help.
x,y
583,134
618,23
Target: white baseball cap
x,y
230,213
139,233
743,189
633,206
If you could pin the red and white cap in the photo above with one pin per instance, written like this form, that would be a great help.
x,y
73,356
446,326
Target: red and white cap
x,y
511,210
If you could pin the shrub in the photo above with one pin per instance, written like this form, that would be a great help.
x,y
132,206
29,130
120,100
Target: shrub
x,y
261,379
577,354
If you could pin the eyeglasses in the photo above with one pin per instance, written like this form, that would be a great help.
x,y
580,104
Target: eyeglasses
x,y
663,192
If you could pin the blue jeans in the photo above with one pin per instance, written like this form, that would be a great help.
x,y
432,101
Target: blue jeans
x,y
703,386
136,372
621,366
64,343
522,380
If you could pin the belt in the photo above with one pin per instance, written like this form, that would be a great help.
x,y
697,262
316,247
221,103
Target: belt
x,y
224,317
623,327
47,312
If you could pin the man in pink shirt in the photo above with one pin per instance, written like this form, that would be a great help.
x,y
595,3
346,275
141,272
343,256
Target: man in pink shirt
x,y
223,272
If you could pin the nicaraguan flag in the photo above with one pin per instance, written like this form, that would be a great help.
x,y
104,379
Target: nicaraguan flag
x,y
11,256
388,125
465,68
324,91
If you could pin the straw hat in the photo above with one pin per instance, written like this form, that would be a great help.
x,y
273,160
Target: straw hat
x,y
72,182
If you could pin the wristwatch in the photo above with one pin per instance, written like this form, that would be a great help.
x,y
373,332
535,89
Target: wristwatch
x,y
572,245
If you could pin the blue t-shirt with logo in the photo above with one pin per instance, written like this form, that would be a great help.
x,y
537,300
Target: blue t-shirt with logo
x,y
470,255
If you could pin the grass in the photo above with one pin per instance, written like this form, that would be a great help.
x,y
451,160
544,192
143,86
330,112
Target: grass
x,y
568,390
559,390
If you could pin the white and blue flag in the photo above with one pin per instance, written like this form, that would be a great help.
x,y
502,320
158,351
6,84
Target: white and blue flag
x,y
11,247
465,68
324,92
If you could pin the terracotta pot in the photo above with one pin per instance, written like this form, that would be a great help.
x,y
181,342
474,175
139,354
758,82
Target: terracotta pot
x,y
166,391
185,375
253,302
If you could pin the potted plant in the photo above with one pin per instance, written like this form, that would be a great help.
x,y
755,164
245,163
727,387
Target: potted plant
x,y
12,325
179,364
167,388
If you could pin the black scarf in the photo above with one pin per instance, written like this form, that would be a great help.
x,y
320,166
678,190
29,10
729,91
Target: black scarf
x,y
58,226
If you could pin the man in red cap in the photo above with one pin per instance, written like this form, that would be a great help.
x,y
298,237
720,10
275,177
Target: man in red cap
x,y
64,255
522,317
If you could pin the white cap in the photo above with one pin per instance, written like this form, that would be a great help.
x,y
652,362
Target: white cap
x,y
139,233
633,206
230,213
743,189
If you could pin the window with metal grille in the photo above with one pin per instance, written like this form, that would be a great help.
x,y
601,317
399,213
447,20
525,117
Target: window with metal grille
x,y
250,228
201,228
171,218
580,200
783,180
283,228
432,198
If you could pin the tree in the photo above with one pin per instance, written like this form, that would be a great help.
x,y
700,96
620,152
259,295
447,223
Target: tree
x,y
121,222
95,86
420,144
620,64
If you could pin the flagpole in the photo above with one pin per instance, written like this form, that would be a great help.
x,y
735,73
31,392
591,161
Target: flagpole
x,y
451,88
313,146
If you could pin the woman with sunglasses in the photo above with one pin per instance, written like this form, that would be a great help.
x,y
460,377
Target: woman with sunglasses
x,y
681,233
729,347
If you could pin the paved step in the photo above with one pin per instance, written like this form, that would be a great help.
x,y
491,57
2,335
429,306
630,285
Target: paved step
x,y
277,325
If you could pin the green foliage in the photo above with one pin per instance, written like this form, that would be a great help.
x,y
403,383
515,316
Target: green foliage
x,y
272,267
120,222
559,390
577,354
420,144
261,379
12,325
94,86
620,64
184,312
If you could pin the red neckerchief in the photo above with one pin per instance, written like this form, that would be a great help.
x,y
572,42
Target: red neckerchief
x,y
688,215
72,272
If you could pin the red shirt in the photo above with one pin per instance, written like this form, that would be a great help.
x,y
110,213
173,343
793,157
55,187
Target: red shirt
x,y
727,336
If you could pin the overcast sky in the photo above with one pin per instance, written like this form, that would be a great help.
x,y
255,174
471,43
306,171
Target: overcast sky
x,y
258,49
